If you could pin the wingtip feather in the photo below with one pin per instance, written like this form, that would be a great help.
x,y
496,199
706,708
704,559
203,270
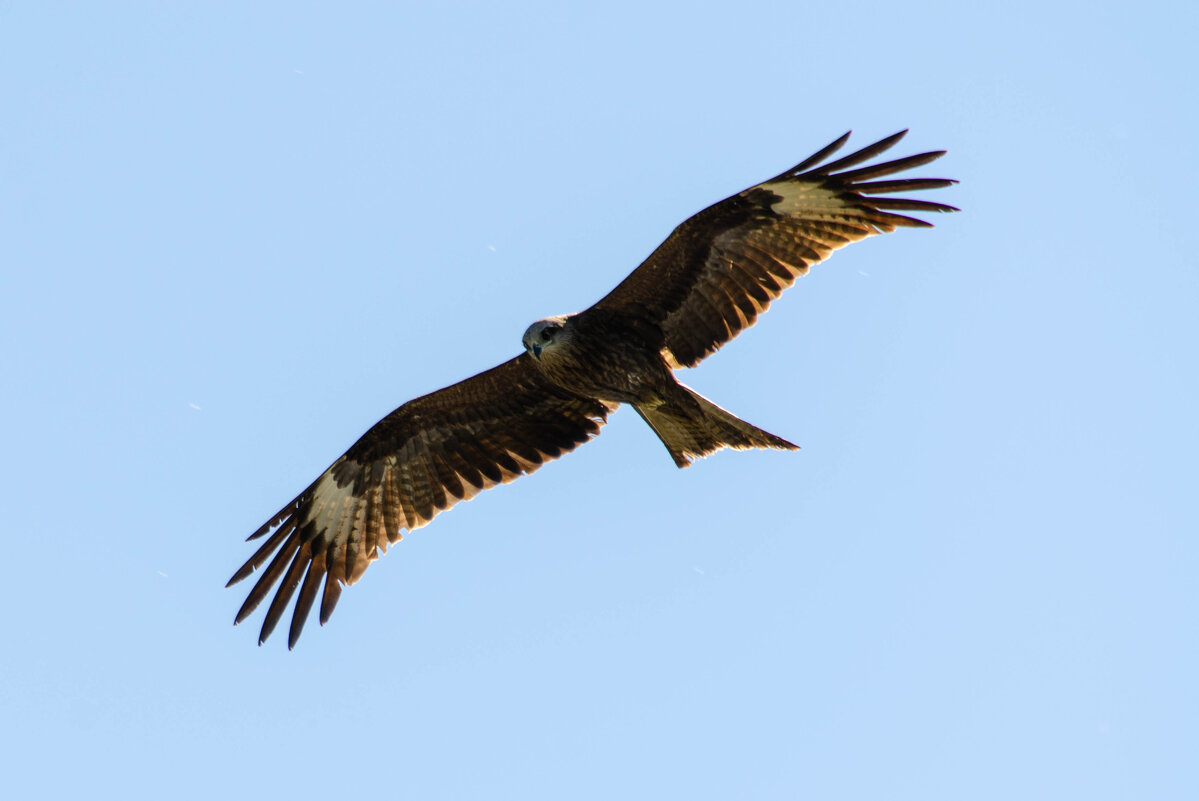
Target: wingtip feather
x,y
858,156
817,157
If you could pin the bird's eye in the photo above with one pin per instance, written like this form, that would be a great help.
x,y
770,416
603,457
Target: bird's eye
x,y
547,334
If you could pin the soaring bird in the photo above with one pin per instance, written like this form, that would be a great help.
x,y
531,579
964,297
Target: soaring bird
x,y
710,279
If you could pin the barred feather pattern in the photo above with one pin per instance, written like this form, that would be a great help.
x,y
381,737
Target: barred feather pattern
x,y
724,266
420,460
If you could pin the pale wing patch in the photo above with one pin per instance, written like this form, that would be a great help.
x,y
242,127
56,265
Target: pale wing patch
x,y
832,219
803,199
330,504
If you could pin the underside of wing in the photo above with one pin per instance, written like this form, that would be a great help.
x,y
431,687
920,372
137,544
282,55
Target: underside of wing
x,y
420,460
722,268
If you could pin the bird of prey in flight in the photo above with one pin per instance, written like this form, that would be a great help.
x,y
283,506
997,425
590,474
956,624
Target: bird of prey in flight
x,y
710,279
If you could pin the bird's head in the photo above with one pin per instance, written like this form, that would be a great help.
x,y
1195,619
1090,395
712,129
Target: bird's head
x,y
544,334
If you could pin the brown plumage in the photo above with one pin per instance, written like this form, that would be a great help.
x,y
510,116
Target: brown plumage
x,y
709,280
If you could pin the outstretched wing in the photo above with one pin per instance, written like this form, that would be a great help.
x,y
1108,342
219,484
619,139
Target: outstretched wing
x,y
721,268
421,459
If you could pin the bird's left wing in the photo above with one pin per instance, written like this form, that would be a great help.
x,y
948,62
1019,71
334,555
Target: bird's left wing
x,y
721,268
421,459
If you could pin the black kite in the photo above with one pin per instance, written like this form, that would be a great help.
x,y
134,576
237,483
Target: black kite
x,y
709,280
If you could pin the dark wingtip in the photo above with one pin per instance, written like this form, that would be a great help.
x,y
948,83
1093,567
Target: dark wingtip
x,y
268,627
886,142
240,575
858,156
329,598
247,608
814,159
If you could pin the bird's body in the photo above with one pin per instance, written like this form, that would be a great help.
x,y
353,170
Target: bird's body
x,y
602,355
704,284
617,358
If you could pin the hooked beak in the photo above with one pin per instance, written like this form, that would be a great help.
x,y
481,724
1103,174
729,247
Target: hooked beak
x,y
536,351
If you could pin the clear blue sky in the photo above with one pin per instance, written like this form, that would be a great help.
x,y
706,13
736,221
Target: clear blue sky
x,y
233,238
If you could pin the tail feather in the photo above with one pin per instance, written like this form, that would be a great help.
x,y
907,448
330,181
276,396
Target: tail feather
x,y
690,425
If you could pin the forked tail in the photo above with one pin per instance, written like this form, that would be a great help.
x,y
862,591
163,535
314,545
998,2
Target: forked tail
x,y
690,425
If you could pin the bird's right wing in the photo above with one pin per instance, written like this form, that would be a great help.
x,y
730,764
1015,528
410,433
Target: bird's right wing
x,y
421,459
721,268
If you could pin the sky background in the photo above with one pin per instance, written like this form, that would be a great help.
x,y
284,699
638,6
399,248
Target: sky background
x,y
234,237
